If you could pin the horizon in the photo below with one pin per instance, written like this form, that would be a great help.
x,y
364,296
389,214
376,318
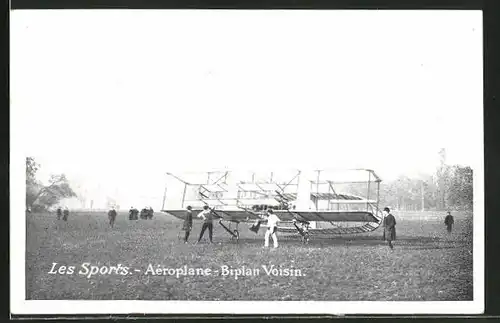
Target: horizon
x,y
99,194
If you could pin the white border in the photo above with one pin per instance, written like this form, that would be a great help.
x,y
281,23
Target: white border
x,y
21,306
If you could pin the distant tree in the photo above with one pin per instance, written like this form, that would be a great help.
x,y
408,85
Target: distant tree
x,y
41,197
406,193
430,193
388,194
31,169
32,186
444,175
461,188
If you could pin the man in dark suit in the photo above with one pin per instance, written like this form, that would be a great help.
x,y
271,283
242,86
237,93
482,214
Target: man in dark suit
x,y
188,223
133,213
112,216
389,227
449,221
65,213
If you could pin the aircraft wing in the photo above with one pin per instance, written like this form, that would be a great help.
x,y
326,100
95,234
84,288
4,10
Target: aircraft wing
x,y
326,216
286,215
233,215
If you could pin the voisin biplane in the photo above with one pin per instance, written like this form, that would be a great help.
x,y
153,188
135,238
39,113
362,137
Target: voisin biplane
x,y
325,202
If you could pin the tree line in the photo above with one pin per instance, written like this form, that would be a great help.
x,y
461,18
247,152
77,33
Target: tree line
x,y
41,197
450,188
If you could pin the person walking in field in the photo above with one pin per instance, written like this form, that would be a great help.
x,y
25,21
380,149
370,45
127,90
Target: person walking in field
x,y
207,217
59,213
272,228
144,213
133,213
112,216
65,213
449,222
188,223
389,227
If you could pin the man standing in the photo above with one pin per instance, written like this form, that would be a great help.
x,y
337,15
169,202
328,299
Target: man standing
x,y
112,216
59,213
133,213
449,221
144,213
389,227
272,228
188,223
65,213
207,217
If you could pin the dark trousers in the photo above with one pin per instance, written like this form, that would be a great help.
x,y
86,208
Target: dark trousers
x,y
210,229
186,236
449,227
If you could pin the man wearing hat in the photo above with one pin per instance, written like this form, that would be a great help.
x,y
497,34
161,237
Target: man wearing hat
x,y
389,227
65,213
448,221
112,216
59,213
188,223
133,213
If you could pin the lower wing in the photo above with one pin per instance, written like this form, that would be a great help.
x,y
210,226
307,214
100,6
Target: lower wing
x,y
286,215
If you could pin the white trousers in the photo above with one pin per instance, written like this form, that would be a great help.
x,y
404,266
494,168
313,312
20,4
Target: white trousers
x,y
270,232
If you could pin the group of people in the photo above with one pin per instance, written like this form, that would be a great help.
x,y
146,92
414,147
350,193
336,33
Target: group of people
x,y
207,216
146,213
390,226
133,214
64,213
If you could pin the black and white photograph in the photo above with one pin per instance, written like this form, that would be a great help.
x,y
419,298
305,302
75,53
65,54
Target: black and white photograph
x,y
247,162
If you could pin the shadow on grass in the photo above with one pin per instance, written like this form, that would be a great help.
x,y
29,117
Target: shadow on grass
x,y
420,242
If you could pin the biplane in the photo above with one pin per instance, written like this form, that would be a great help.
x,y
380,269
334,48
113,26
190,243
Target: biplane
x,y
309,203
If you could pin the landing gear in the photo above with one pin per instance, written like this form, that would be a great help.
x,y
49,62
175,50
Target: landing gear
x,y
235,234
303,230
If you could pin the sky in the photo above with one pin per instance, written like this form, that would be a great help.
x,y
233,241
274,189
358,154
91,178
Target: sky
x,y
114,99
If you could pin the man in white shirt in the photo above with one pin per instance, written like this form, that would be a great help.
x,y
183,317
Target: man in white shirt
x,y
272,228
207,217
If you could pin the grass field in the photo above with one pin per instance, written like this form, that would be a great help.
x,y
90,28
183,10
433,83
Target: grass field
x,y
426,265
